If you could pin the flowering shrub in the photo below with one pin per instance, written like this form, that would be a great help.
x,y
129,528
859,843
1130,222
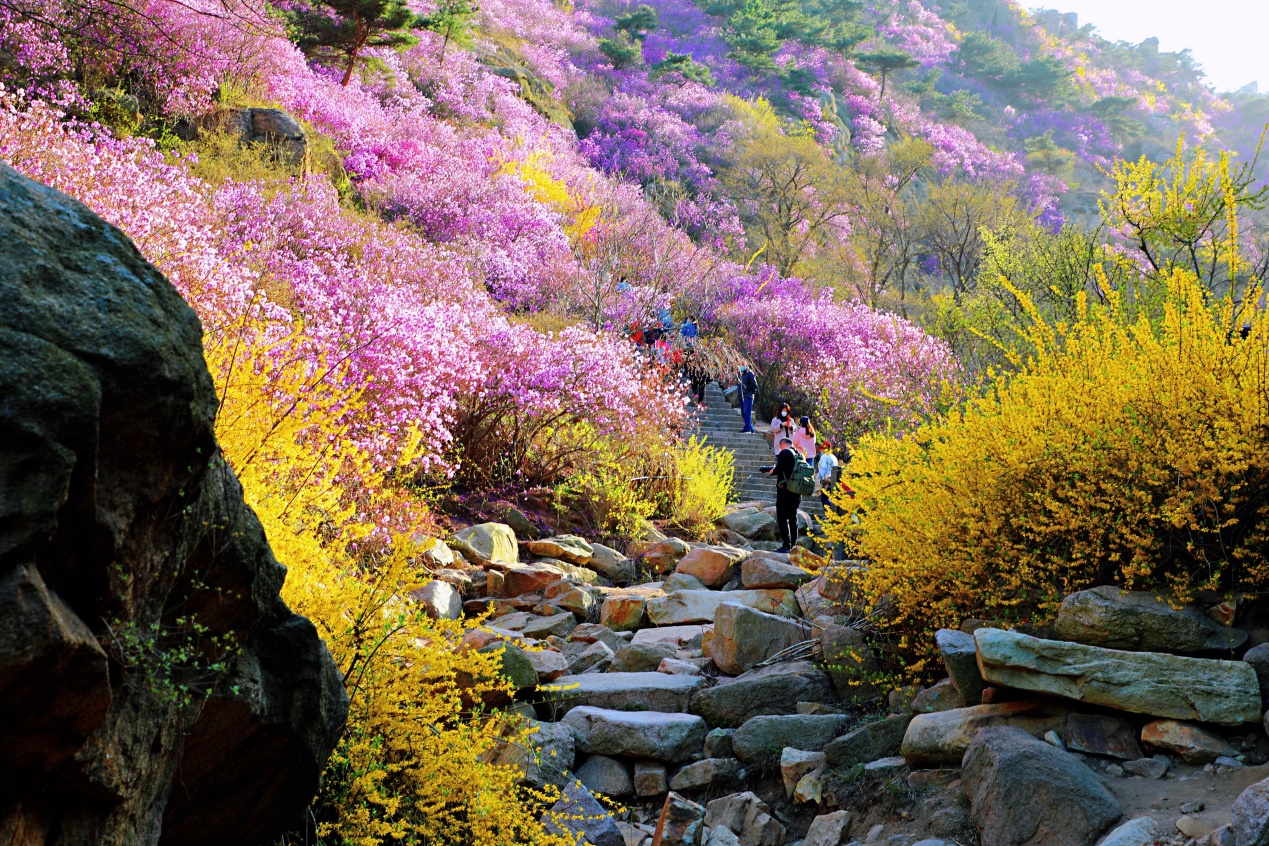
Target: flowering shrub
x,y
413,763
851,368
1126,451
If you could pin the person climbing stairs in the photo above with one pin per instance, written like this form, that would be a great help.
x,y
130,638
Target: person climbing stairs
x,y
720,424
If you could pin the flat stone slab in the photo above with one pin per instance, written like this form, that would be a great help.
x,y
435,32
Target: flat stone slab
x,y
1171,686
624,691
636,734
933,740
699,606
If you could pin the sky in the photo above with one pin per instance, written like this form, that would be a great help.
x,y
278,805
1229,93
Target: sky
x,y
1226,37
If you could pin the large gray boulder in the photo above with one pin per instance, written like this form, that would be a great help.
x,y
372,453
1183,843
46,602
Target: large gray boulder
x,y
745,637
492,544
637,734
750,523
606,776
1139,621
439,599
611,564
624,691
117,507
767,571
1142,831
1258,658
713,773
1173,686
641,657
1025,792
546,760
776,689
1249,816
763,738
570,548
933,740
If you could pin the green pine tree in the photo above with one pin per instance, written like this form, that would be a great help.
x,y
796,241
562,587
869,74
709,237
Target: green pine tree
x,y
685,66
885,62
753,37
452,19
347,27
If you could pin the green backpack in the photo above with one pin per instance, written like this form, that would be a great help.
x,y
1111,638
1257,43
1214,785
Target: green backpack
x,y
802,479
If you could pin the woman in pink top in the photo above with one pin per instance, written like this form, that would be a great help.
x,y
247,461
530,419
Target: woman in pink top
x,y
804,439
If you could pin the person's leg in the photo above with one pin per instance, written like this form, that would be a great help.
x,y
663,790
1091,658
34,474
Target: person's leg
x,y
746,409
787,520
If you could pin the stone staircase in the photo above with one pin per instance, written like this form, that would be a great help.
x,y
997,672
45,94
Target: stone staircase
x,y
720,424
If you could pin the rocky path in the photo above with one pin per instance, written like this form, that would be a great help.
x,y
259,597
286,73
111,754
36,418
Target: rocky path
x,y
720,424
727,697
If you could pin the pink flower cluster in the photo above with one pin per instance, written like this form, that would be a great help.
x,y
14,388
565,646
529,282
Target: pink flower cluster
x,y
398,318
862,369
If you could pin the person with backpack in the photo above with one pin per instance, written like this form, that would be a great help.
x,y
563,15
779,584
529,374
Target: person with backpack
x,y
748,390
794,479
804,439
781,427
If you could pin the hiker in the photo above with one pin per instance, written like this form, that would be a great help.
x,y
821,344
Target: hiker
x,y
794,478
804,439
786,502
695,374
748,390
828,485
781,427
688,329
827,473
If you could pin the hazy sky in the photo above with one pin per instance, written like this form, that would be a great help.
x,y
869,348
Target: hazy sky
x,y
1226,37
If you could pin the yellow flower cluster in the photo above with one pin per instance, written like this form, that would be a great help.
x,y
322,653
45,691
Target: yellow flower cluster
x,y
1126,450
418,760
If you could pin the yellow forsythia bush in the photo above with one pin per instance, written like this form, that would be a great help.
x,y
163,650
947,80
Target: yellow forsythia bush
x,y
704,478
414,763
1131,450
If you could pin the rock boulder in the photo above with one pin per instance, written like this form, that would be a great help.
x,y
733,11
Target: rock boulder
x,y
745,637
669,738
1154,683
1139,621
487,543
939,739
776,689
112,496
700,606
1025,792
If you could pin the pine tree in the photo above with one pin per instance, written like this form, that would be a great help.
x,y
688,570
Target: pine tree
x,y
346,27
885,62
754,38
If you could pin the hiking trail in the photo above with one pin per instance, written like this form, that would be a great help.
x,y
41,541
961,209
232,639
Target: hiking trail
x,y
720,424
